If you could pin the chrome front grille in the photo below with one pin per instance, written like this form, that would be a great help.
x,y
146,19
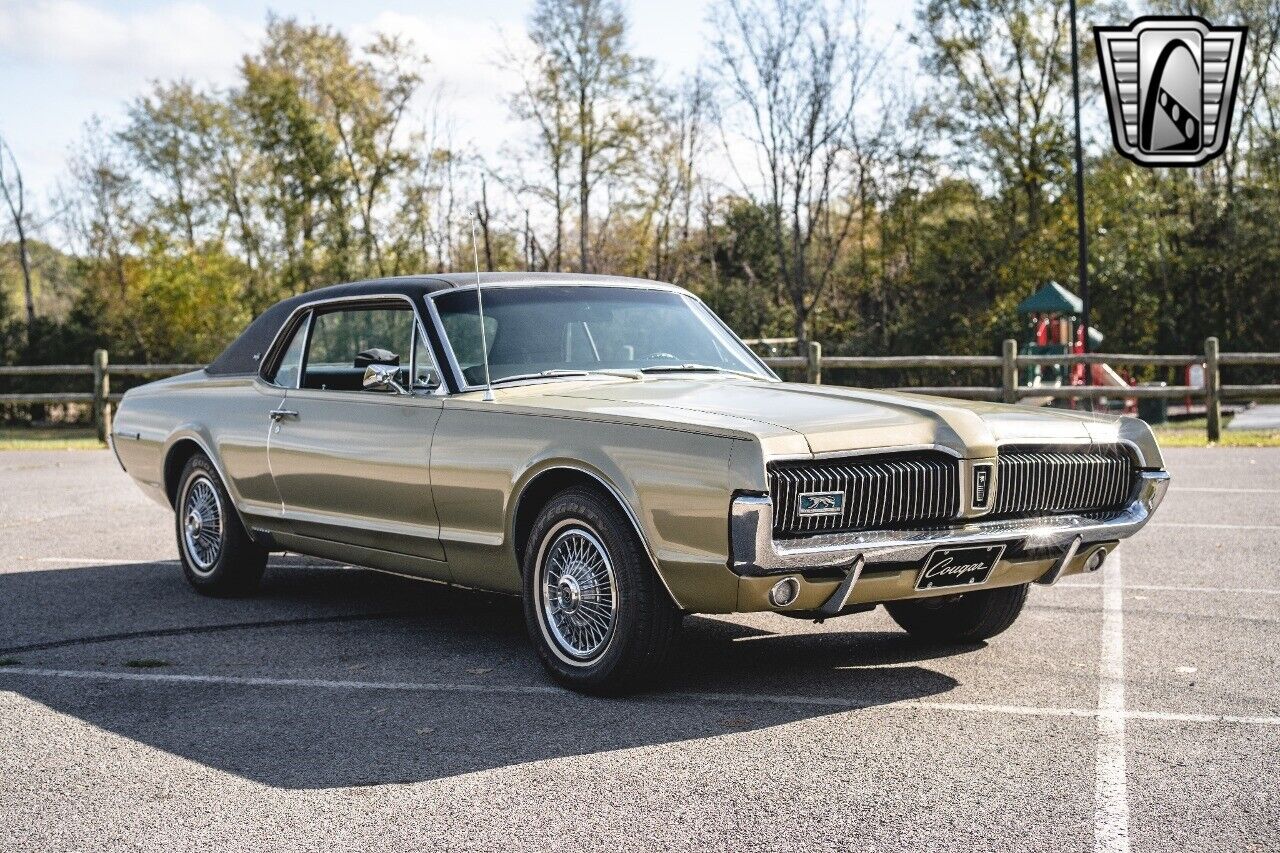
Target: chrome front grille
x,y
1045,481
922,489
880,492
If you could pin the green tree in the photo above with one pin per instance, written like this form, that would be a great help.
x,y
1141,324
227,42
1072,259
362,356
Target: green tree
x,y
582,56
13,191
795,73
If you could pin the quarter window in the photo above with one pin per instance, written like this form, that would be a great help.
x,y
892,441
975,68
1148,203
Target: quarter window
x,y
290,365
425,375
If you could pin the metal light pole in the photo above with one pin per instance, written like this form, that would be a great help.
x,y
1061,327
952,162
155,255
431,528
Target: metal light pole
x,y
1081,236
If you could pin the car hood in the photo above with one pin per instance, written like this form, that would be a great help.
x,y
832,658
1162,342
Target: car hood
x,y
831,419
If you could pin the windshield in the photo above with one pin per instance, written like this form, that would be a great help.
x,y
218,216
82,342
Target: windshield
x,y
532,330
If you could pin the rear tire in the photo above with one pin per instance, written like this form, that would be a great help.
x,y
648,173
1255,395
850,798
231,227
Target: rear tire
x,y
967,618
218,557
597,613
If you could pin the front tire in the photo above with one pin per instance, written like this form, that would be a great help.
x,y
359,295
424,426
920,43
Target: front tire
x,y
597,613
218,557
967,618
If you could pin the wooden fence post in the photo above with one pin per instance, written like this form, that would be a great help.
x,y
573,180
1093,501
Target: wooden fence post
x,y
1212,390
1009,371
101,395
815,363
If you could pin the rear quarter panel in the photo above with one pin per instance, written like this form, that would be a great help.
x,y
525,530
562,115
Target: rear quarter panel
x,y
226,417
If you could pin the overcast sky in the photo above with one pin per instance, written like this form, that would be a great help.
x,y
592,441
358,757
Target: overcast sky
x,y
63,61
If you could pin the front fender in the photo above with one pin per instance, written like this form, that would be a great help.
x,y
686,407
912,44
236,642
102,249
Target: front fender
x,y
676,496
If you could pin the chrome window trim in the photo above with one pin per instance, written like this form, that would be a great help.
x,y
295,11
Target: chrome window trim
x,y
271,353
460,380
759,361
317,304
455,370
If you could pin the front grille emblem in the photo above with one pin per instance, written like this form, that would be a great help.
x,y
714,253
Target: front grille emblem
x,y
981,486
820,503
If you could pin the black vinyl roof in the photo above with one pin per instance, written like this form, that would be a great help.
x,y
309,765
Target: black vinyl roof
x,y
245,352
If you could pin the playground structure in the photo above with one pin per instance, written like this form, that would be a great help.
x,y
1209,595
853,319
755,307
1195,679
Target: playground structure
x,y
1053,318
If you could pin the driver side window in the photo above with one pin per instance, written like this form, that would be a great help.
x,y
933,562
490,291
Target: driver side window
x,y
346,341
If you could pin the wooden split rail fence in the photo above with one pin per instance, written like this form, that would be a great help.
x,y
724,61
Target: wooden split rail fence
x,y
1213,392
100,397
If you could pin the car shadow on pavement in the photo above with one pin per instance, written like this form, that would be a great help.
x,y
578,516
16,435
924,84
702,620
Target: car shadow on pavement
x,y
439,682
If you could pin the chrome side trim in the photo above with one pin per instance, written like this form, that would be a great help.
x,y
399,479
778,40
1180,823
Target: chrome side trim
x,y
754,551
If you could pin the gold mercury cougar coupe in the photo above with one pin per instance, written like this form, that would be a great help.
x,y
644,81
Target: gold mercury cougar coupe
x,y
618,460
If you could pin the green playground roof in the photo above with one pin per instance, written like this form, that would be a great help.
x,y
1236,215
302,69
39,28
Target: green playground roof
x,y
1053,298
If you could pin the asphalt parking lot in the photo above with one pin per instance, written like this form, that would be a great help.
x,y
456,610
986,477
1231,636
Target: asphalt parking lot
x,y
341,709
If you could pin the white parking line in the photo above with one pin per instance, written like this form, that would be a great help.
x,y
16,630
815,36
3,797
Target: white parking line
x,y
1158,588
1111,795
833,702
94,561
1194,524
276,562
1211,489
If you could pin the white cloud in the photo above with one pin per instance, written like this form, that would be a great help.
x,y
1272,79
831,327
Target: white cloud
x,y
110,50
464,67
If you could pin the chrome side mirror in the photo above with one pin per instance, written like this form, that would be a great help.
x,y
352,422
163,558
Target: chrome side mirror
x,y
382,377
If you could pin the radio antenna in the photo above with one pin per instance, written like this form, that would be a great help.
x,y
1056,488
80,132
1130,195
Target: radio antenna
x,y
484,342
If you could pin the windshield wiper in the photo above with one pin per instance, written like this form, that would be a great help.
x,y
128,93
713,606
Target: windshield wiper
x,y
542,374
625,373
696,368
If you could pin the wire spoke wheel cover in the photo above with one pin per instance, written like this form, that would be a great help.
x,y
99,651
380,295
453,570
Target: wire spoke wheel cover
x,y
578,591
202,524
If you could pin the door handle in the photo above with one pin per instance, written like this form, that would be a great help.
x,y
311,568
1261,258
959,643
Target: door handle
x,y
281,414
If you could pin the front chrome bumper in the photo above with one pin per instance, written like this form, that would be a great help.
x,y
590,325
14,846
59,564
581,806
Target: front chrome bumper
x,y
754,551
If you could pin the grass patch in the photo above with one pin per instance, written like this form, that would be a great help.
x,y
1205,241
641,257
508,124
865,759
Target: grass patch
x,y
1197,438
145,663
9,661
49,438
1191,433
